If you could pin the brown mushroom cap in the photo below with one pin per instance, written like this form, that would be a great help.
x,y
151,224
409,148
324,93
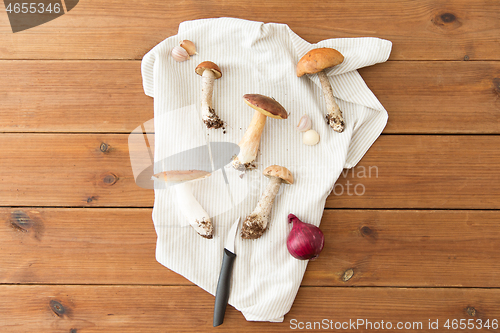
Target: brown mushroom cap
x,y
316,60
266,105
280,172
181,175
208,65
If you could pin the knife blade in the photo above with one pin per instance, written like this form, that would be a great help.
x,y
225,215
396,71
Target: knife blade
x,y
223,286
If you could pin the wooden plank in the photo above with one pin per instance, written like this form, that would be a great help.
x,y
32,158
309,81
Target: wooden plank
x,y
107,96
86,246
382,248
68,170
91,96
438,97
408,248
452,172
187,309
423,30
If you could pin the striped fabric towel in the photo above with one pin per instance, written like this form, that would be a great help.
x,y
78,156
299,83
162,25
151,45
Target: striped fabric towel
x,y
255,58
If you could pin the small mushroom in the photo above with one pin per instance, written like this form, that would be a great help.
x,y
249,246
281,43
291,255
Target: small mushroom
x,y
210,72
316,61
187,203
256,223
249,144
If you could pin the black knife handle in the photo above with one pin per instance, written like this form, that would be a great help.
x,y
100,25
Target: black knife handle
x,y
222,293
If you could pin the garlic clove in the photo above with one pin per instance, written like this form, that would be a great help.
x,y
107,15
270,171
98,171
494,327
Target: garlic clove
x,y
189,47
310,138
179,54
304,124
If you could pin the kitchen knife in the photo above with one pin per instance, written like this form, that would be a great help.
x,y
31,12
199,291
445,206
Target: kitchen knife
x,y
222,293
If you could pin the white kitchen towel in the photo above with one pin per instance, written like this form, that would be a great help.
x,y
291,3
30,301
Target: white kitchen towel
x,y
255,58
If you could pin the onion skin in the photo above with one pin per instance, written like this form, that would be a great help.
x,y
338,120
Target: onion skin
x,y
188,46
305,241
304,124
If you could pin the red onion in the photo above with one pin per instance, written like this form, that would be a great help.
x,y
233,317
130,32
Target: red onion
x,y
305,240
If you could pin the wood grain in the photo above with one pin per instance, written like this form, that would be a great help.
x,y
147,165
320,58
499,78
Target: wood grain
x,y
107,96
452,172
187,309
77,244
382,248
68,170
423,30
438,97
80,246
408,248
90,96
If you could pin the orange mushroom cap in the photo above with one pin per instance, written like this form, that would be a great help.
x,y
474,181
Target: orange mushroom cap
x,y
316,60
208,65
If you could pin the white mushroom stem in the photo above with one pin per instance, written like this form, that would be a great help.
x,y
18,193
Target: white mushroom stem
x,y
208,115
256,223
193,211
334,116
249,144
186,202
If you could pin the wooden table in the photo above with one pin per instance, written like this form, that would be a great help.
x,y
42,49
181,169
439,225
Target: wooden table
x,y
77,243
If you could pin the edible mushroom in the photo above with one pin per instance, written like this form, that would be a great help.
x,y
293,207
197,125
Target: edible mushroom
x,y
249,144
187,203
210,72
315,62
256,223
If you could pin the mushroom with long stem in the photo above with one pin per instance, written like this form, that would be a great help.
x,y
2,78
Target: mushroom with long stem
x,y
256,223
315,62
210,72
249,144
187,203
